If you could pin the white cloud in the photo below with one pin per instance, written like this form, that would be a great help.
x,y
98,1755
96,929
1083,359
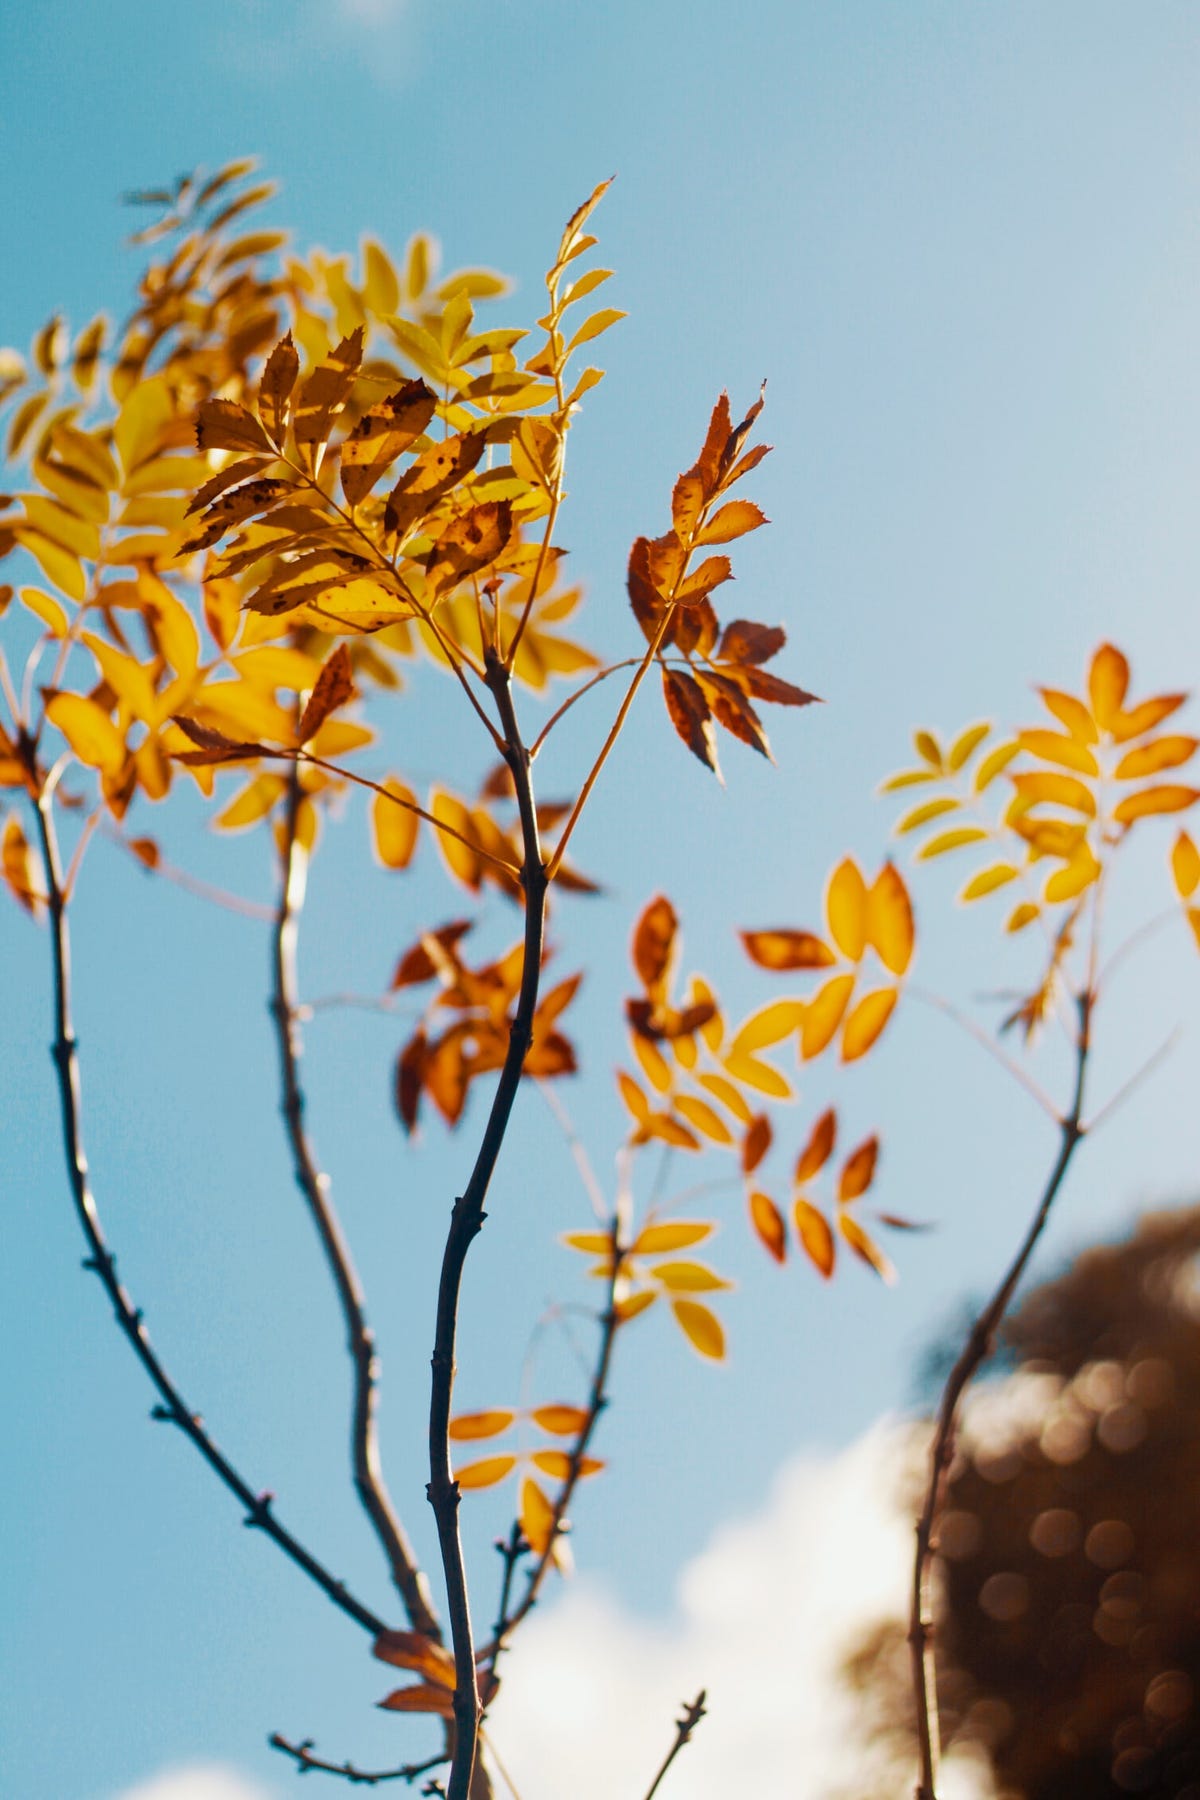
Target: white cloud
x,y
765,1614
196,1781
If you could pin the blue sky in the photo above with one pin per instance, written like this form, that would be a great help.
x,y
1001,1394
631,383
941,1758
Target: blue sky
x,y
963,245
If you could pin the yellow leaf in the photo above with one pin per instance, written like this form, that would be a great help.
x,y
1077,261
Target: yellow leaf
x,y
992,765
890,928
591,1243
1185,866
1155,800
1152,758
461,860
865,1024
16,863
858,1170
394,825
59,566
680,1235
754,1073
557,1464
701,1327
1021,916
536,1517
468,1427
253,803
824,1014
702,1116
921,815
563,1421
950,840
687,1278
905,779
89,731
813,1229
131,681
670,1130
633,1097
46,608
146,412
1048,789
654,1064
1079,873
927,746
768,1224
965,745
769,1025
1072,713
728,1095
633,1304
865,1247
988,880
486,1472
1145,716
846,909
1108,682
787,950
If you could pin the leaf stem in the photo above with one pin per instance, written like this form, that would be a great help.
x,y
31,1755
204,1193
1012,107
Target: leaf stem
x,y
101,1262
407,1577
965,1023
466,1220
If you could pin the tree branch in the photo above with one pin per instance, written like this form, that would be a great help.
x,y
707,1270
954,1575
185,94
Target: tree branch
x,y
465,1222
101,1261
693,1712
306,1763
407,1577
974,1352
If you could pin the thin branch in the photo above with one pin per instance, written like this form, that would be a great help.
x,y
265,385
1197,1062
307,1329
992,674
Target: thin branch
x,y
973,1354
508,1622
372,1491
466,1220
191,884
693,1712
172,1408
1135,1081
988,1043
1133,942
411,806
489,1744
576,1146
629,662
306,1764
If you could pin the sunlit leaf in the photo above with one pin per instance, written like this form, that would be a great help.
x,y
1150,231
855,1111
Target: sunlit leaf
x,y
680,1234
1145,716
394,825
701,1327
818,1149
965,745
1108,682
1072,713
1185,866
756,1143
921,815
413,1650
768,1224
89,731
865,1023
823,1015
728,1094
890,928
563,1421
691,716
846,909
993,764
858,1170
633,1097
559,1466
787,950
928,748
698,1113
812,1228
486,1472
536,1517
1046,788
769,1025
633,1304
1155,800
653,944
334,686
754,1073
278,380
687,1278
988,880
1021,916
422,1697
950,840
865,1247
469,1426
1152,758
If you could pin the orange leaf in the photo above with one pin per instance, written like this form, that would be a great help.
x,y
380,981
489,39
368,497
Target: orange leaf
x,y
557,1464
1145,716
1079,873
1155,800
858,1170
865,1247
728,1095
1108,682
890,928
769,1025
701,1327
591,1243
754,1073
563,1421
486,1472
756,1143
1072,713
1054,747
333,687
633,1304
1048,789
846,909
681,1234
394,825
653,944
988,880
815,1236
278,380
698,1113
691,716
687,1278
785,950
819,1148
421,1699
733,520
469,1426
865,1024
1152,758
1185,866
1021,916
767,1221
633,1097
536,1517
413,1650
823,1015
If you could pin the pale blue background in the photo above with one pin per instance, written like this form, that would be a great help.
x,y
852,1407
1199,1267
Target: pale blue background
x,y
962,243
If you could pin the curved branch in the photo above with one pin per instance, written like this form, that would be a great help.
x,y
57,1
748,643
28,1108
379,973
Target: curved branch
x,y
693,1712
974,1352
302,1755
372,1491
466,1220
172,1408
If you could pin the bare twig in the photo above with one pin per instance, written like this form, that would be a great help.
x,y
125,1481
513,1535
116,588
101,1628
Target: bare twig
x,y
307,1764
973,1354
191,884
1135,1081
981,1037
407,1577
465,1222
172,1408
693,1712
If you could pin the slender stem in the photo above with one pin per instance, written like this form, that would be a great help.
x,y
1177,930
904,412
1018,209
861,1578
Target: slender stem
x,y
302,1755
597,1402
629,662
172,1408
967,1024
466,1221
191,884
693,1712
1135,1081
974,1352
372,1491
409,805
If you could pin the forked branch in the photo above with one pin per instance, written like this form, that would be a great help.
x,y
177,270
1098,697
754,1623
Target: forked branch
x,y
693,1712
369,1482
974,1352
172,1407
307,1763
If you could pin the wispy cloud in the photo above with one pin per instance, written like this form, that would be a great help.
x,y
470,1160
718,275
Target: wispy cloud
x,y
765,1616
197,1781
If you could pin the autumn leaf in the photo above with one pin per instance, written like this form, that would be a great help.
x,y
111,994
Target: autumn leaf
x,y
691,716
768,1224
787,950
858,1171
812,1228
701,1327
334,686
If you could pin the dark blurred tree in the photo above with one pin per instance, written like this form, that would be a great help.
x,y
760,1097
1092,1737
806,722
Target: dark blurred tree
x,y
1068,1630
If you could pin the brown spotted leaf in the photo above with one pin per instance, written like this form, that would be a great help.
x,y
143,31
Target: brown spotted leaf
x,y
279,378
689,713
743,641
382,434
223,425
333,687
